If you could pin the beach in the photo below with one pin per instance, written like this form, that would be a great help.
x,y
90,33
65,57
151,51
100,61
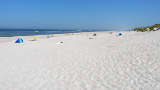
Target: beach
x,y
81,61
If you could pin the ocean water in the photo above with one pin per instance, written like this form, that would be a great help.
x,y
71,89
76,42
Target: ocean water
x,y
27,32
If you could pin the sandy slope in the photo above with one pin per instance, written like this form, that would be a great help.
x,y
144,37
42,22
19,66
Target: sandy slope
x,y
106,62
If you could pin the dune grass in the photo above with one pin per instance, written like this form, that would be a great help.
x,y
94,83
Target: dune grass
x,y
148,28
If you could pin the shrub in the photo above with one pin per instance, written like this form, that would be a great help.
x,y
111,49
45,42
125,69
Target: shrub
x,y
148,28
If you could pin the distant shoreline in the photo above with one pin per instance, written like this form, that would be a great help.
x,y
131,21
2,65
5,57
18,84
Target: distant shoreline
x,y
32,32
30,37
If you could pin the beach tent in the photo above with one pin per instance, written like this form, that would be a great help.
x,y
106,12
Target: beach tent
x,y
120,34
19,40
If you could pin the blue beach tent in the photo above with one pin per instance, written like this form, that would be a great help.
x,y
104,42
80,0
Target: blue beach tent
x,y
120,34
19,40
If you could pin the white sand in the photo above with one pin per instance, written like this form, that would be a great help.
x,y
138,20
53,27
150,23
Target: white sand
x,y
106,62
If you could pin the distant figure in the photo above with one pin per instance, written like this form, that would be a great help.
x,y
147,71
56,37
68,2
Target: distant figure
x,y
120,34
49,36
94,34
36,31
60,43
90,38
111,32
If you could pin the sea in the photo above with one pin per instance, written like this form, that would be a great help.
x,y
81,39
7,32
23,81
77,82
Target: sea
x,y
29,32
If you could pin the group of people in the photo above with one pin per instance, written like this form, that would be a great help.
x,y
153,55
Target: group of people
x,y
20,40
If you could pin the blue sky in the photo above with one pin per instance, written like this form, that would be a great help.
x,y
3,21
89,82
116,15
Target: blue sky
x,y
92,14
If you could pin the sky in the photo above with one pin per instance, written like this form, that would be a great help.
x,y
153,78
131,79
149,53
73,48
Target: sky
x,y
81,14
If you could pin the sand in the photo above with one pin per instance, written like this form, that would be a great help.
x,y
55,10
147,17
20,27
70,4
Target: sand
x,y
82,62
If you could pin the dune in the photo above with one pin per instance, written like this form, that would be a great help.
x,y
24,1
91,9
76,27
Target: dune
x,y
82,62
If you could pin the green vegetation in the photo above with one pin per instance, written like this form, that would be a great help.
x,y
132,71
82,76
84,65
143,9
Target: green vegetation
x,y
148,28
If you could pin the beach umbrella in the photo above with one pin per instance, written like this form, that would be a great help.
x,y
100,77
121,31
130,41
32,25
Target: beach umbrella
x,y
19,40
